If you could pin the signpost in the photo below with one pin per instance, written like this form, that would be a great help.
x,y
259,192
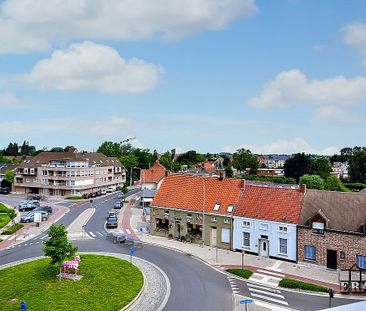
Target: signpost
x,y
23,306
246,302
132,252
37,218
331,295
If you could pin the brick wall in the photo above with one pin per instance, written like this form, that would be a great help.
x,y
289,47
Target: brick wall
x,y
351,244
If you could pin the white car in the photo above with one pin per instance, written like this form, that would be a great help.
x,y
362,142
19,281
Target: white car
x,y
103,191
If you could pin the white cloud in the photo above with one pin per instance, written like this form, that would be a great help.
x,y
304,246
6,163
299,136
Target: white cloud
x,y
36,25
9,100
355,35
90,66
284,146
292,87
335,114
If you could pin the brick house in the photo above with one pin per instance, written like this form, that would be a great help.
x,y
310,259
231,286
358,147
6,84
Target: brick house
x,y
265,221
332,230
198,208
68,173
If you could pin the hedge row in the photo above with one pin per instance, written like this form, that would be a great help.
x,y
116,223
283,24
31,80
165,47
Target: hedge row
x,y
13,229
289,283
246,274
74,197
355,186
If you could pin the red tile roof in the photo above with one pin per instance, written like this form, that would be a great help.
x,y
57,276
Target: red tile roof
x,y
270,203
189,192
153,174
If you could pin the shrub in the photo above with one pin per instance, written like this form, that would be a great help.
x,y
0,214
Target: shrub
x,y
246,274
355,186
312,181
13,229
290,283
343,188
74,197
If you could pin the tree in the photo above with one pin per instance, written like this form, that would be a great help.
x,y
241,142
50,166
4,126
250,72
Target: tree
x,y
357,166
166,160
58,248
312,181
9,176
332,183
110,149
24,149
12,150
243,158
297,165
188,158
229,172
57,149
67,148
321,166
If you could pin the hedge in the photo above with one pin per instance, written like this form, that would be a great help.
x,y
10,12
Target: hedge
x,y
355,186
74,197
246,274
290,283
13,229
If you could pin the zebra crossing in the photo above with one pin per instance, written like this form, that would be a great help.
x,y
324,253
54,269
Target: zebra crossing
x,y
267,294
234,286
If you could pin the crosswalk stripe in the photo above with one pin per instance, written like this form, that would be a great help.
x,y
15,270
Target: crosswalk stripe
x,y
263,287
45,236
100,234
271,273
270,299
10,238
266,293
92,234
255,274
128,231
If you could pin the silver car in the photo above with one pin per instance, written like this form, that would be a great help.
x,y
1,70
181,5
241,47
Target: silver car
x,y
29,217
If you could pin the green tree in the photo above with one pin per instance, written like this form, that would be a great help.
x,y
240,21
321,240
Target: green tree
x,y
332,183
297,165
9,176
67,148
243,158
229,172
357,166
188,158
321,166
12,150
110,149
58,248
57,149
312,181
24,149
166,160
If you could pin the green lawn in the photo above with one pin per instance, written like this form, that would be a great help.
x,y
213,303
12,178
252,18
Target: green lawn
x,y
108,283
4,219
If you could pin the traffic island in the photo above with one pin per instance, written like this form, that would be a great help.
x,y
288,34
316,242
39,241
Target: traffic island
x,y
108,283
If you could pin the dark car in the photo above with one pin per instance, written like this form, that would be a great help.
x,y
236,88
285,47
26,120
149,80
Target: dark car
x,y
86,195
98,193
47,209
112,222
119,195
118,204
93,194
5,190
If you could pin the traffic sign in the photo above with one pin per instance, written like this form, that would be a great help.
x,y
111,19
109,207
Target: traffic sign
x,y
246,301
23,306
132,251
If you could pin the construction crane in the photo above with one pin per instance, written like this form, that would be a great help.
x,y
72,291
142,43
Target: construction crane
x,y
127,140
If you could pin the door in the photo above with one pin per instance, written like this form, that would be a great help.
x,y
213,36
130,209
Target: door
x,y
331,259
177,229
263,247
213,236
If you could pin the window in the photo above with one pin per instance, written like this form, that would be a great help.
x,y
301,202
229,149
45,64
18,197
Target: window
x,y
226,220
27,180
283,246
162,224
31,171
318,227
246,239
361,262
213,219
230,208
246,224
216,207
225,235
25,170
282,229
342,255
263,226
310,252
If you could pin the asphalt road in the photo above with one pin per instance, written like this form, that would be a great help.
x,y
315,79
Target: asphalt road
x,y
194,285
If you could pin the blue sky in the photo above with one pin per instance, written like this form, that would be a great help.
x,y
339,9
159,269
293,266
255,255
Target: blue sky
x,y
211,75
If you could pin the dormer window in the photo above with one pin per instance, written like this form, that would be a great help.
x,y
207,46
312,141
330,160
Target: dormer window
x,y
318,227
230,208
216,207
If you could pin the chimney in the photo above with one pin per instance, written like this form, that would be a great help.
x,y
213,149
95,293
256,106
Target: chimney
x,y
221,178
242,183
303,188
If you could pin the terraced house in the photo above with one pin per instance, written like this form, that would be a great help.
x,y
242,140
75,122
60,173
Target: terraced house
x,y
196,208
68,173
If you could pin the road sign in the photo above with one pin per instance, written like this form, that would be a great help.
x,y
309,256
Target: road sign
x,y
246,301
37,217
23,306
132,251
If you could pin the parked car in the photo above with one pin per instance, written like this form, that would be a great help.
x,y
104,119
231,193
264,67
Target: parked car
x,y
103,192
28,205
98,193
86,195
112,222
47,209
5,190
29,217
118,204
111,189
112,214
93,194
119,195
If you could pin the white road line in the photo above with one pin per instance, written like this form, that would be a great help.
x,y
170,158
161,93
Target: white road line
x,y
45,236
271,273
266,293
265,288
11,237
128,231
236,292
255,274
37,242
270,299
92,234
270,306
25,244
30,243
275,266
99,233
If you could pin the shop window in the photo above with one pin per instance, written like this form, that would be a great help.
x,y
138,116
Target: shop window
x,y
194,230
361,261
310,252
162,224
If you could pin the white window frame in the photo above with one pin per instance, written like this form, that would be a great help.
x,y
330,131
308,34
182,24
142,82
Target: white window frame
x,y
279,246
217,207
246,223
283,229
213,219
230,208
225,235
246,239
226,220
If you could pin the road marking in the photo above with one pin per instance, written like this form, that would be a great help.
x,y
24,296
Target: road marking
x,y
100,234
45,236
128,231
92,234
275,266
30,243
266,277
271,273
270,299
11,237
266,293
25,244
270,306
263,287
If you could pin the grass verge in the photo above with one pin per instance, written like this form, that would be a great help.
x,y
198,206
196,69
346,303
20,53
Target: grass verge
x,y
108,283
74,197
13,229
4,209
290,283
4,219
246,274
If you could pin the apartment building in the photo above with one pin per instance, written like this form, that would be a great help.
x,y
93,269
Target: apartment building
x,y
68,173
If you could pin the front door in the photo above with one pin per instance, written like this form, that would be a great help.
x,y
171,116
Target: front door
x,y
213,236
263,247
177,230
331,259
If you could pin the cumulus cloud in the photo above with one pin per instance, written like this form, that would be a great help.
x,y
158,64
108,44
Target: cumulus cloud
x,y
90,66
292,87
355,35
284,146
335,114
9,100
36,25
